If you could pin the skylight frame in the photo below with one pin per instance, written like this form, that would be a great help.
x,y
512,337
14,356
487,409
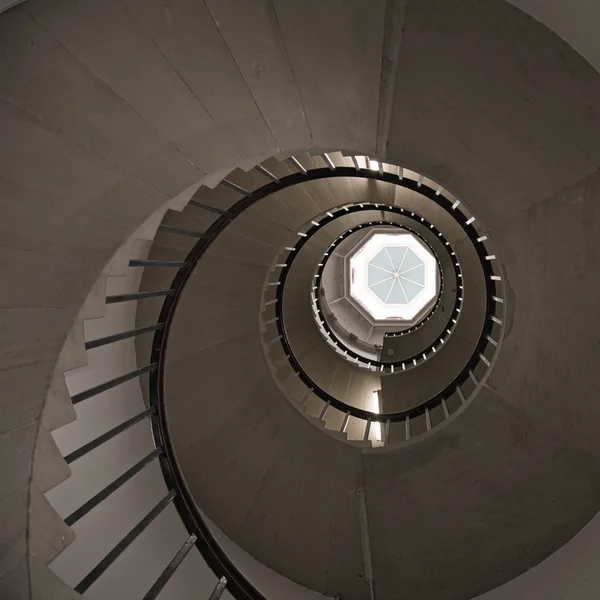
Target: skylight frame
x,y
369,300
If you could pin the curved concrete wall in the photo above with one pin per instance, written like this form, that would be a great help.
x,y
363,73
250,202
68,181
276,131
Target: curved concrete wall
x,y
569,574
97,135
6,4
576,22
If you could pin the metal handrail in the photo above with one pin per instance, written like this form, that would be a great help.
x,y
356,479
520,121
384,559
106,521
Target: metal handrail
x,y
483,342
156,378
304,175
229,575
387,365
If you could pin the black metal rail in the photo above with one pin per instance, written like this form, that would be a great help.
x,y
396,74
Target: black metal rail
x,y
178,493
179,282
387,365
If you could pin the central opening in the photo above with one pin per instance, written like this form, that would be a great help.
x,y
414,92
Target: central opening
x,y
393,277
377,280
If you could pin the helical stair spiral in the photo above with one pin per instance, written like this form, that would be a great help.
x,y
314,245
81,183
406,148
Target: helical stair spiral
x,y
239,328
189,406
242,362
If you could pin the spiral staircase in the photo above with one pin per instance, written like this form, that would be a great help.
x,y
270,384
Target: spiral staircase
x,y
184,412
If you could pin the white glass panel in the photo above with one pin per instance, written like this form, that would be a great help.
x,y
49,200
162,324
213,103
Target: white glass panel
x,y
410,260
397,255
410,289
376,275
397,296
382,261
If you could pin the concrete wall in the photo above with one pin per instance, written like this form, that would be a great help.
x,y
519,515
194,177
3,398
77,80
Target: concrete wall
x,y
6,4
96,136
568,395
571,573
577,23
272,585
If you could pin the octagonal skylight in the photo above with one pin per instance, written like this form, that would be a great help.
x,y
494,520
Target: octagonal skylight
x,y
394,276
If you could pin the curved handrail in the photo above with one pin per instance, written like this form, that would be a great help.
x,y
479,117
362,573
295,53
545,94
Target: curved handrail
x,y
385,365
199,533
222,566
207,544
483,342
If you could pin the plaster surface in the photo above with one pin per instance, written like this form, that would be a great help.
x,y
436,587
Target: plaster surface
x,y
485,100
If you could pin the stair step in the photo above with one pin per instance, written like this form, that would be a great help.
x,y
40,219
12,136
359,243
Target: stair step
x,y
279,168
248,180
276,208
309,161
315,421
336,434
220,197
339,160
202,206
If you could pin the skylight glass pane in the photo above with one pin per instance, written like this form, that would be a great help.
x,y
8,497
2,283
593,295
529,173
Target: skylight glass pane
x,y
382,261
410,289
382,290
376,275
416,274
397,296
410,260
397,254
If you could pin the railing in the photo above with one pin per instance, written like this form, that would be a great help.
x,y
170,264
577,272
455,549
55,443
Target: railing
x,y
442,406
200,537
380,365
227,575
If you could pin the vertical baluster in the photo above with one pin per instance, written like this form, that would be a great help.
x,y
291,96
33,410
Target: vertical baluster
x,y
219,589
164,577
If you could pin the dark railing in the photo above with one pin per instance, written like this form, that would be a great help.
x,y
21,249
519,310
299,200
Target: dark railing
x,y
485,342
387,366
228,575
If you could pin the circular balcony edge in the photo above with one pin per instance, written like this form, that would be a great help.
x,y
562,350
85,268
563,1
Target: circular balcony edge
x,y
185,504
358,303
382,366
324,312
485,342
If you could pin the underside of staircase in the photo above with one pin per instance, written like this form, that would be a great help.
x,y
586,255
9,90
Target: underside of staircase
x,y
130,131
